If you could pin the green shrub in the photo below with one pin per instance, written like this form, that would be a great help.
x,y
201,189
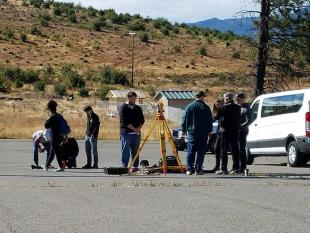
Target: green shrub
x,y
83,92
57,11
35,31
30,76
47,4
9,34
102,92
184,25
203,51
144,38
137,26
48,72
72,16
60,89
17,75
73,79
39,85
92,12
165,31
119,19
23,38
108,75
3,85
236,55
162,22
176,30
96,26
36,3
18,84
44,22
177,49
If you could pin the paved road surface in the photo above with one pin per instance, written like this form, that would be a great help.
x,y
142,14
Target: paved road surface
x,y
89,201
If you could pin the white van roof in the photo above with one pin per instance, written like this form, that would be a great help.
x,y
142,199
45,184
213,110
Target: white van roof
x,y
283,93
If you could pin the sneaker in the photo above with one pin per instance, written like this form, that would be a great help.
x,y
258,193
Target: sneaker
x,y
221,172
233,172
60,169
188,173
45,168
199,173
95,166
87,166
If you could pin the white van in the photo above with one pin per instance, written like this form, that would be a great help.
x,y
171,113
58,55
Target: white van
x,y
281,126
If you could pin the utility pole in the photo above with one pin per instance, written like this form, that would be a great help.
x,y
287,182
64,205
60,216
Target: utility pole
x,y
262,54
132,34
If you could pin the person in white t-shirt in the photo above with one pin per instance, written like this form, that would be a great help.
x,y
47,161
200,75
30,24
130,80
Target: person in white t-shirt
x,y
41,142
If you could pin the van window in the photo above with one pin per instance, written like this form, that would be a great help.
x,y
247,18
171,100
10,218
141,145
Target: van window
x,y
254,110
282,105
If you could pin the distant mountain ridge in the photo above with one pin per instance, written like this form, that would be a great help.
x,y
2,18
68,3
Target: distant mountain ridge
x,y
239,26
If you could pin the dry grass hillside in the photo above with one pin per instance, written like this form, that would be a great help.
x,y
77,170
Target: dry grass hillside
x,y
67,45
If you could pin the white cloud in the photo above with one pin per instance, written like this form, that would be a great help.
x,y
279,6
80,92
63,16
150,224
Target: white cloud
x,y
174,10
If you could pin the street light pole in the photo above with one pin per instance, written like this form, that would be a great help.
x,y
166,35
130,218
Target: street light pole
x,y
132,34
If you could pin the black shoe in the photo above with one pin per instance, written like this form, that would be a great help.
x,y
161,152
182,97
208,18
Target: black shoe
x,y
95,166
87,166
214,170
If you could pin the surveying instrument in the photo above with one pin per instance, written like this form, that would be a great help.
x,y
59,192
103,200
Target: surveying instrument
x,y
164,132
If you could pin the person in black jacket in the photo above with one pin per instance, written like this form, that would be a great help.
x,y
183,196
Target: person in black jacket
x,y
245,121
53,123
91,138
218,142
229,127
197,124
131,122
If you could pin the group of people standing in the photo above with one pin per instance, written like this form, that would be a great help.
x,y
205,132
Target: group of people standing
x,y
233,120
51,139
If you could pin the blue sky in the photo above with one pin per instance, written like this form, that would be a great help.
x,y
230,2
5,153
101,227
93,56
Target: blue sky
x,y
174,10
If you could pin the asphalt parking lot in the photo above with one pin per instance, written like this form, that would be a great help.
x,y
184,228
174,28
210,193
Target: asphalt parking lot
x,y
274,198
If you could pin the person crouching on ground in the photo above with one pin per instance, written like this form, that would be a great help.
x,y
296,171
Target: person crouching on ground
x,y
41,143
197,124
131,122
54,123
91,138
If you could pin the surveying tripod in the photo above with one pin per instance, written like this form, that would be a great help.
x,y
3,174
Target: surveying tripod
x,y
164,131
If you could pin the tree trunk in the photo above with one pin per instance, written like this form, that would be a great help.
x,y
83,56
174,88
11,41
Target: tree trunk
x,y
262,47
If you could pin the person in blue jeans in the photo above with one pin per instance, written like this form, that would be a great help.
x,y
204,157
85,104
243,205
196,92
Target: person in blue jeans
x,y
131,121
40,144
91,138
197,124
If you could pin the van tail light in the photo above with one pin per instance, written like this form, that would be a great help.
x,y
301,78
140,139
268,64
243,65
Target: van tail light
x,y
308,124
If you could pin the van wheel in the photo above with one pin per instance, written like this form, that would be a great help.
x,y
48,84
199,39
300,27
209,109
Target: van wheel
x,y
295,158
249,157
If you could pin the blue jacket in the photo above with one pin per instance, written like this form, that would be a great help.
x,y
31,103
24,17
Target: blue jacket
x,y
198,118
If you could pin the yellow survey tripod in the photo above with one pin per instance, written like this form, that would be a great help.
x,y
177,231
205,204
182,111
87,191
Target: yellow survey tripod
x,y
164,131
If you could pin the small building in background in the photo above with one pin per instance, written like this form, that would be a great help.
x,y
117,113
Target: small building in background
x,y
118,97
121,95
175,101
